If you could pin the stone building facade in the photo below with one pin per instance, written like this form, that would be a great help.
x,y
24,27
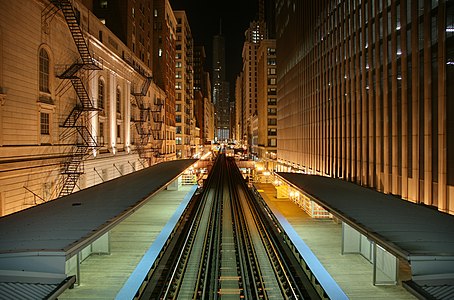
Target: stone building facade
x,y
67,116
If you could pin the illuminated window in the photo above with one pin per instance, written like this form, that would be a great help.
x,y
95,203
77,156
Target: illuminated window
x,y
103,3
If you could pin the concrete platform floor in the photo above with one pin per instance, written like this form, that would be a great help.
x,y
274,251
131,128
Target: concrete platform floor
x,y
102,276
352,272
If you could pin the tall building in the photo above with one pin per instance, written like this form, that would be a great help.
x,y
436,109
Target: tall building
x,y
364,91
184,85
253,35
148,29
220,90
202,96
163,53
131,22
267,99
239,131
65,123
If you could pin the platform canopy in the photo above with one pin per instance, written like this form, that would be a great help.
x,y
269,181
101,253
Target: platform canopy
x,y
36,242
417,233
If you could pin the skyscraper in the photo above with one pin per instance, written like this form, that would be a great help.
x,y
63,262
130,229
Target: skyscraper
x,y
163,53
203,107
364,93
253,35
220,89
184,85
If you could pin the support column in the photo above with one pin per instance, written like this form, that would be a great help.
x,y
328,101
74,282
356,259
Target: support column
x,y
127,117
112,114
94,120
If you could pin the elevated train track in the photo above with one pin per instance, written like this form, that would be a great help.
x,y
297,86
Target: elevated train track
x,y
227,246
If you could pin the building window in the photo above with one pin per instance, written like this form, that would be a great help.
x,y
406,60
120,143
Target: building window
x,y
272,81
178,141
272,111
178,85
118,101
178,118
43,71
272,101
178,64
272,91
100,94
101,134
103,3
272,121
45,124
272,131
272,142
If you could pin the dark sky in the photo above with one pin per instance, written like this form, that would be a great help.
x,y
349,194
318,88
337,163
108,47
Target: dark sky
x,y
204,16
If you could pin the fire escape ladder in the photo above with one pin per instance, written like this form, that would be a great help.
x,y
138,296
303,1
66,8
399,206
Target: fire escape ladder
x,y
78,118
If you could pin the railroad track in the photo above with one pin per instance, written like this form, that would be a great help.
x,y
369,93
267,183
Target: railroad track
x,y
227,247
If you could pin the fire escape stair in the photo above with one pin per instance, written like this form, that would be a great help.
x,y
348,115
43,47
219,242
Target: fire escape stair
x,y
72,168
144,133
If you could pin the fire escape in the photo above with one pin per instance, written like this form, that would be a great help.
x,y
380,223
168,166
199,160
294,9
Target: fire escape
x,y
141,123
149,123
78,119
156,129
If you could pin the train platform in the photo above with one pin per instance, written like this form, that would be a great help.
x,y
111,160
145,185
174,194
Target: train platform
x,y
103,276
352,272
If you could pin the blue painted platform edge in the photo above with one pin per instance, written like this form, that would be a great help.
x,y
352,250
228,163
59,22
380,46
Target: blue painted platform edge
x,y
132,285
327,282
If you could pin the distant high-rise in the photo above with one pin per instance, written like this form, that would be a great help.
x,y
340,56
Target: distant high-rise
x,y
163,53
220,89
267,14
202,96
267,99
253,36
184,85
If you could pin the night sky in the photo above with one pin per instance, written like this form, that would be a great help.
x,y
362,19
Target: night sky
x,y
204,18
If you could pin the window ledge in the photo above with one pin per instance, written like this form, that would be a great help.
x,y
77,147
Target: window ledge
x,y
46,99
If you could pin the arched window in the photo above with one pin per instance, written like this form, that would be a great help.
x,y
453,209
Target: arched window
x,y
43,71
100,93
118,101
